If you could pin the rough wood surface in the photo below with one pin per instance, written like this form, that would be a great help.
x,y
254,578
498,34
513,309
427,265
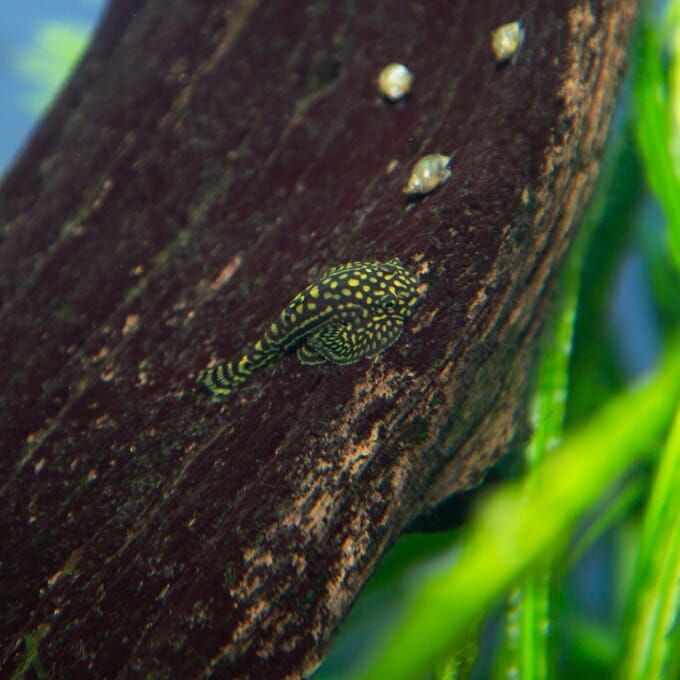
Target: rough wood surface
x,y
206,160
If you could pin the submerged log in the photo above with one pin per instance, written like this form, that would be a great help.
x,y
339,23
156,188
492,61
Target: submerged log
x,y
206,161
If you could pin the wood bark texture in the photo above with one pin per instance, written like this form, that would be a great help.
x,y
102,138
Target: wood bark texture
x,y
205,162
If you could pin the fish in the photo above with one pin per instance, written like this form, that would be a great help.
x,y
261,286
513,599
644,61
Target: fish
x,y
354,310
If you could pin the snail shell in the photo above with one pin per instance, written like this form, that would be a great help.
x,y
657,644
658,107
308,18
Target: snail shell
x,y
506,41
394,82
428,173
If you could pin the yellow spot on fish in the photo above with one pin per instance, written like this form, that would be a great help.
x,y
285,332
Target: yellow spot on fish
x,y
314,291
353,282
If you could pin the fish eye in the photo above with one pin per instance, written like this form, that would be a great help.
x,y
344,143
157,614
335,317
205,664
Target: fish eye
x,y
388,303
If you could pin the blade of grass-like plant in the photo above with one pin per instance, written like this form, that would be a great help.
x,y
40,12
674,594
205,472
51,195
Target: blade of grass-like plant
x,y
525,641
526,626
515,528
654,129
460,665
655,590
527,623
673,22
553,378
629,496
47,62
654,593
595,373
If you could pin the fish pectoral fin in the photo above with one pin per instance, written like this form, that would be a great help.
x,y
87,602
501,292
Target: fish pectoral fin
x,y
334,342
315,349
309,356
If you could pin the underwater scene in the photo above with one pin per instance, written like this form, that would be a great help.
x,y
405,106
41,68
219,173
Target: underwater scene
x,y
340,340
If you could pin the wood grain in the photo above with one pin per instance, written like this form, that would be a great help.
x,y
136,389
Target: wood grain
x,y
206,160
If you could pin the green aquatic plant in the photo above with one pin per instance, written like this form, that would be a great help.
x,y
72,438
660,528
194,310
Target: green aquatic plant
x,y
652,637
657,116
47,61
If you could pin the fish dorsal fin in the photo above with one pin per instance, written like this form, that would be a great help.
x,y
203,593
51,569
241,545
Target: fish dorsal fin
x,y
339,268
348,266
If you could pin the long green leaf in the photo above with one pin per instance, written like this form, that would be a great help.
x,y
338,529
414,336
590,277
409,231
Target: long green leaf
x,y
657,580
654,129
527,619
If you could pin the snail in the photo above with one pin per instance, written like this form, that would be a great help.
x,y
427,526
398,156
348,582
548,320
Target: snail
x,y
506,41
428,173
394,82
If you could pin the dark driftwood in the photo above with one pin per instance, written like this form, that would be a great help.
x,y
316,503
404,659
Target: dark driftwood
x,y
206,160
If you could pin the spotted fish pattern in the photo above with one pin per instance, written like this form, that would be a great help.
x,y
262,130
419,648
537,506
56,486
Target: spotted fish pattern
x,y
355,310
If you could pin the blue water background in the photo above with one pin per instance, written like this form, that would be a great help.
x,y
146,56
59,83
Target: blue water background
x,y
19,23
